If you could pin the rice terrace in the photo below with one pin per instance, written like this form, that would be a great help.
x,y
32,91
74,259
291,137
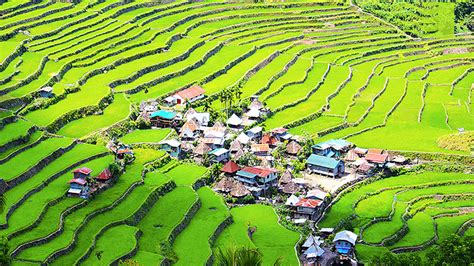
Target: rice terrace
x,y
214,132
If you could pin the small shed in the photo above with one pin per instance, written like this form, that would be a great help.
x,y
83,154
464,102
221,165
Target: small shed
x,y
46,92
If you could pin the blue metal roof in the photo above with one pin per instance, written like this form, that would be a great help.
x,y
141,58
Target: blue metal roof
x,y
246,174
163,114
322,161
333,142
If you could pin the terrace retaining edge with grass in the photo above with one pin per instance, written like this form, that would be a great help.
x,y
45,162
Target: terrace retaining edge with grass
x,y
39,165
212,239
41,186
18,141
15,153
131,253
132,220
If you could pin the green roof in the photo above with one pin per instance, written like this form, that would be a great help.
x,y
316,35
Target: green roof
x,y
322,161
163,114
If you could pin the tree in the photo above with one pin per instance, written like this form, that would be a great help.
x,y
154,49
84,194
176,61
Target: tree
x,y
5,258
391,259
454,250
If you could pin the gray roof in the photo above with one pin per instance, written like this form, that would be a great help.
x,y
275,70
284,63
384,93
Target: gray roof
x,y
312,240
346,236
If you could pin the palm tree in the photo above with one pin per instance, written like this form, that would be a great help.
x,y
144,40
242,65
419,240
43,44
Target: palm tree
x,y
238,256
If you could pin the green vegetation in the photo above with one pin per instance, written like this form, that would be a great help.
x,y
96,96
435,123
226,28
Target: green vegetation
x,y
272,239
420,202
324,69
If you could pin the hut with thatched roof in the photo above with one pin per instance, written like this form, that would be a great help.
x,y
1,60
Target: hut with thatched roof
x,y
239,190
225,185
293,148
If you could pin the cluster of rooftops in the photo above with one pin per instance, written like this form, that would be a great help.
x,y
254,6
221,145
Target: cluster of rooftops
x,y
82,185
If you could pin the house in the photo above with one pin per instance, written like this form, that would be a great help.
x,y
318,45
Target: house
x,y
351,156
256,104
225,185
163,118
190,130
259,177
344,242
239,190
293,148
230,168
82,173
215,137
253,114
190,95
309,209
78,185
377,157
316,194
170,101
235,146
255,133
260,149
243,139
281,134
122,151
46,92
201,149
331,148
172,147
105,176
292,200
234,122
325,165
312,250
219,155
269,139
202,118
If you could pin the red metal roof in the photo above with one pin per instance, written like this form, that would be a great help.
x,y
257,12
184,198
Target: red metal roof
x,y
230,167
79,181
376,158
191,92
260,171
83,170
309,203
105,175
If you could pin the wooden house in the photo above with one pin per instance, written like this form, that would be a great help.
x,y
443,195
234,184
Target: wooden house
x,y
325,165
163,118
309,209
258,177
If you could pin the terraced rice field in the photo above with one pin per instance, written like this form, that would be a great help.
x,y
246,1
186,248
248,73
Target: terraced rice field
x,y
405,212
325,70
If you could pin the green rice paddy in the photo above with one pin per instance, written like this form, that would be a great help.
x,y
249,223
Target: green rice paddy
x,y
315,64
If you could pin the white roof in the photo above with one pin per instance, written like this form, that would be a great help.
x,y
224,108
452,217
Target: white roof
x,y
253,113
234,120
212,140
46,89
171,142
214,134
255,130
346,236
300,221
326,230
286,136
292,200
202,118
242,138
170,99
74,191
316,193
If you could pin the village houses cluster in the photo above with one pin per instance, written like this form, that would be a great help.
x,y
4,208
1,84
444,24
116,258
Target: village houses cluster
x,y
245,151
